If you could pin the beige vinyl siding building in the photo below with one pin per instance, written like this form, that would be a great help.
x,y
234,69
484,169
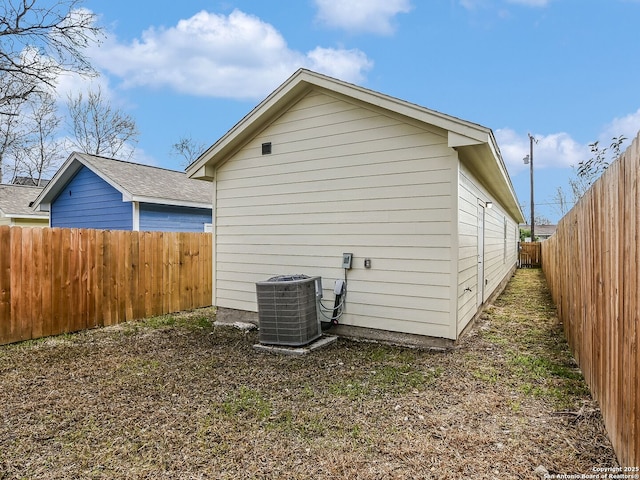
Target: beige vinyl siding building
x,y
500,247
351,170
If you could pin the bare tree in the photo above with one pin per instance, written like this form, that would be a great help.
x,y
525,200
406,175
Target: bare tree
x,y
29,142
560,202
43,152
542,220
39,40
100,129
187,148
11,141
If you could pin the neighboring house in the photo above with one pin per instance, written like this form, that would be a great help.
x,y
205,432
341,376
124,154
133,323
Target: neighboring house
x,y
15,207
103,193
22,180
322,167
542,231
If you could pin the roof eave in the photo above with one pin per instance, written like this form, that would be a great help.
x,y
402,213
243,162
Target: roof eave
x,y
168,201
204,166
26,216
482,152
464,133
485,163
65,174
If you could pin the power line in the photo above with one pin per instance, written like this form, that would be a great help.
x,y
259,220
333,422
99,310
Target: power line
x,y
554,203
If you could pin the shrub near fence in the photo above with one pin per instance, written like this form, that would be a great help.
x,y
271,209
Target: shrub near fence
x,y
591,266
56,280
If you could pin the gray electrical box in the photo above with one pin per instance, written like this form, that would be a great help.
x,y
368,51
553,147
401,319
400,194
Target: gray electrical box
x,y
346,260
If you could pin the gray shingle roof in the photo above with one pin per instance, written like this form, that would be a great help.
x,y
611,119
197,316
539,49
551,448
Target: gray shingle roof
x,y
151,182
15,200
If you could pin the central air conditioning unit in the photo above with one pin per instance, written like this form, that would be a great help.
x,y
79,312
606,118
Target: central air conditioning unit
x,y
287,310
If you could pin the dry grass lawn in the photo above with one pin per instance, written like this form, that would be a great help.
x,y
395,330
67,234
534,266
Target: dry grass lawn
x,y
175,398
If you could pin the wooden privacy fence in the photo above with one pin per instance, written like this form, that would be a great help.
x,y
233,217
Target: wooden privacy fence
x,y
56,280
529,255
591,266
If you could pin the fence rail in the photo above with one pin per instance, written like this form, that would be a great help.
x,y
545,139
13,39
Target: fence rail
x,y
55,280
591,266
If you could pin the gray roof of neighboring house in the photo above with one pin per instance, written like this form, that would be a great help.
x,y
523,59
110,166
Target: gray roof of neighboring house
x,y
136,182
542,229
32,182
15,201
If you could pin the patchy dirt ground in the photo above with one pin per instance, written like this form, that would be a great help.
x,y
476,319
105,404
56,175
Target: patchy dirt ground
x,y
175,398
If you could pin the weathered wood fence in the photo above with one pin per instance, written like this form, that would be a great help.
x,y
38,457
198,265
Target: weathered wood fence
x,y
530,255
56,280
591,266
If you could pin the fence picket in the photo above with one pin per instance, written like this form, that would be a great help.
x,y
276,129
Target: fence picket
x,y
56,280
591,265
5,282
529,255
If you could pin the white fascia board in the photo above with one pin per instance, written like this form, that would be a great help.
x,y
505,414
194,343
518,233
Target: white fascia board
x,y
64,175
456,140
408,109
168,201
30,217
205,172
495,150
201,167
304,80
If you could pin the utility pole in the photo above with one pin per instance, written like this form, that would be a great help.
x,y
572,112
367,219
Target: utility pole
x,y
529,160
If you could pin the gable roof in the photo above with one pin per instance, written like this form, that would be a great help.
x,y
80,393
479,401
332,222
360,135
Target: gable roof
x,y
476,145
136,182
15,201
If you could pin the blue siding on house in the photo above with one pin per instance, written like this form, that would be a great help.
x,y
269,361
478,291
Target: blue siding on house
x,y
173,219
87,201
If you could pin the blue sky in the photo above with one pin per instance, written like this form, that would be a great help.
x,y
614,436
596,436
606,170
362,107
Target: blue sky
x,y
565,71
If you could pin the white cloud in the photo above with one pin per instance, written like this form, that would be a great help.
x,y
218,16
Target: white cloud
x,y
137,155
343,64
234,56
71,84
628,126
557,150
373,16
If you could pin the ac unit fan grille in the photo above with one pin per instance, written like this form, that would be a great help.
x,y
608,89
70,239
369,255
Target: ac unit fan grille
x,y
287,311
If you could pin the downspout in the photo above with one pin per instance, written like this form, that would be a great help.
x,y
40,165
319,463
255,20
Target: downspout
x,y
454,267
214,237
